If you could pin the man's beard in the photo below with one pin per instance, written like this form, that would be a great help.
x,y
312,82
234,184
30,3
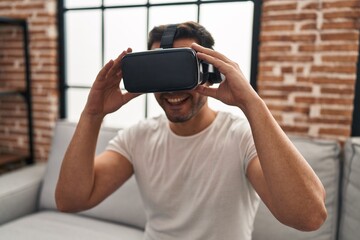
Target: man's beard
x,y
196,107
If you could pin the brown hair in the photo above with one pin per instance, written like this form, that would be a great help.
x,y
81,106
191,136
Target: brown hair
x,y
188,29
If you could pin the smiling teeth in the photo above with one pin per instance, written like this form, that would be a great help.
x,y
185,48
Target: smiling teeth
x,y
175,100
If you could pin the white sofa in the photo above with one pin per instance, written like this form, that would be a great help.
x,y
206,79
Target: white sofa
x,y
28,211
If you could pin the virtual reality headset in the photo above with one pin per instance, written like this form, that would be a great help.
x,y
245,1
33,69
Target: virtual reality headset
x,y
166,69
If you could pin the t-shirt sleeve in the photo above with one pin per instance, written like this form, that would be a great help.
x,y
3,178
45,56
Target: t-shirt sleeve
x,y
247,146
121,143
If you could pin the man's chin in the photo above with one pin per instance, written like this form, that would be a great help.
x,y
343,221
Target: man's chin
x,y
177,119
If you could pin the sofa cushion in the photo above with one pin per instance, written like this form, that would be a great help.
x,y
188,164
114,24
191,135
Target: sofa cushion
x,y
350,208
19,191
323,156
47,225
123,206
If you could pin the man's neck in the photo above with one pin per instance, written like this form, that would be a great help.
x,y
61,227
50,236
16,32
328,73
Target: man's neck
x,y
196,124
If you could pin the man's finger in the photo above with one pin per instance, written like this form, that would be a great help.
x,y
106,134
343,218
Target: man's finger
x,y
211,92
210,52
116,66
104,71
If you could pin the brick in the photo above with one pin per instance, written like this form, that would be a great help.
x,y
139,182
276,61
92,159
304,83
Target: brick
x,y
18,131
43,22
289,108
47,55
336,112
269,78
351,13
275,48
285,58
345,36
14,44
37,31
311,6
263,68
335,131
329,47
341,4
323,100
5,8
273,96
288,38
288,17
332,58
29,6
340,25
322,120
349,69
18,14
287,69
277,27
39,123
308,26
294,129
327,80
346,91
285,89
279,7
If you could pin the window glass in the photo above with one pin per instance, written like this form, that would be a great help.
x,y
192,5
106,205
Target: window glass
x,y
83,46
82,3
171,14
123,2
233,42
124,28
75,102
127,115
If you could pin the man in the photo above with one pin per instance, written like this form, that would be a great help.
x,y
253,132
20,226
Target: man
x,y
200,172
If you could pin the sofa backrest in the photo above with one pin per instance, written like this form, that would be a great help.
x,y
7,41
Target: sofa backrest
x,y
350,205
323,156
123,206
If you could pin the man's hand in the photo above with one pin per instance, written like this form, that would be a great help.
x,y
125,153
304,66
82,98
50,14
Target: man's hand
x,y
105,95
235,90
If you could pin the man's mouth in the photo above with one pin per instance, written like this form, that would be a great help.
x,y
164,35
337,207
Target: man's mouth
x,y
176,100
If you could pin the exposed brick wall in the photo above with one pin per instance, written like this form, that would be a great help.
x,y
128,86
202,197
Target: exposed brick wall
x,y
41,17
307,68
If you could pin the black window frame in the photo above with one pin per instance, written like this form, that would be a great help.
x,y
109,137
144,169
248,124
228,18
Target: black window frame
x,y
63,86
355,128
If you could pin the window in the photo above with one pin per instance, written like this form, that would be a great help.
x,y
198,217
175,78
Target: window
x,y
95,31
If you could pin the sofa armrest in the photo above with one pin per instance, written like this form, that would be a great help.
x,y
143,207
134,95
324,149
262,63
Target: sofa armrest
x,y
19,192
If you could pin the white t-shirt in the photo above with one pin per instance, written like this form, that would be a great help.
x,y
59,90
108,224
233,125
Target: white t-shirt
x,y
193,187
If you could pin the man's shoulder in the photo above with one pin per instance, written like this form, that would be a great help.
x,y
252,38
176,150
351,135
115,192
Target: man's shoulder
x,y
231,118
232,123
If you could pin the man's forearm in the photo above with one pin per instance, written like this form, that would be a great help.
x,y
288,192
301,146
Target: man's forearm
x,y
293,186
76,177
